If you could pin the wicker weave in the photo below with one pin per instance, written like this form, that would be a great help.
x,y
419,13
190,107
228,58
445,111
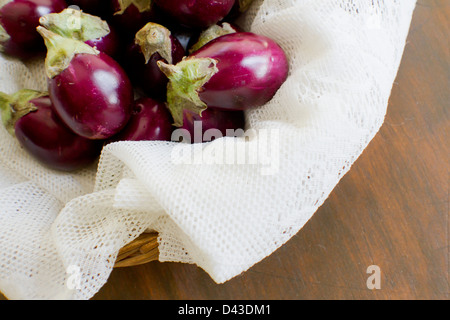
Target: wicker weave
x,y
142,250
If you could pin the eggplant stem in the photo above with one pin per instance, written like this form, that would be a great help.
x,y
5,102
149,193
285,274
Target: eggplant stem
x,y
4,36
186,80
210,34
75,24
15,106
61,51
141,5
155,38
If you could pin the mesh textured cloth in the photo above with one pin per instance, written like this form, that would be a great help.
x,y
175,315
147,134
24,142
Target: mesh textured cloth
x,y
223,206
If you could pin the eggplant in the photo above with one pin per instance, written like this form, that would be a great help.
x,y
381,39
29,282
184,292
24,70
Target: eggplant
x,y
211,33
197,13
90,91
109,44
150,120
28,115
129,16
84,27
185,36
18,22
152,43
212,124
237,71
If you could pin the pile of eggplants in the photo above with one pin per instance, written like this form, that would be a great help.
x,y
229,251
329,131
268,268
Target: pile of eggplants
x,y
133,70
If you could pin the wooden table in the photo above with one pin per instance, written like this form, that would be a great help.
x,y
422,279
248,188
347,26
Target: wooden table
x,y
391,210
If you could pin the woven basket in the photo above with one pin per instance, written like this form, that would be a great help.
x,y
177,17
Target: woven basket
x,y
142,250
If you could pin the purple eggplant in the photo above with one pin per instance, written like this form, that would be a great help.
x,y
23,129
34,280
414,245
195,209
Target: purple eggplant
x,y
81,26
211,33
150,120
238,71
212,124
129,16
28,115
152,43
196,13
110,44
90,91
18,22
185,36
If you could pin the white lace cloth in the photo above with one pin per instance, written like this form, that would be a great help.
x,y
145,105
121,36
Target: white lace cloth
x,y
60,233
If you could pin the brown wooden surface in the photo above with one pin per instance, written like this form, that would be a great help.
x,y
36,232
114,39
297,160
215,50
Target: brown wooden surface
x,y
390,210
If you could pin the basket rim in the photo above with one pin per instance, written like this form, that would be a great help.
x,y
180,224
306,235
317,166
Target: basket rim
x,y
142,250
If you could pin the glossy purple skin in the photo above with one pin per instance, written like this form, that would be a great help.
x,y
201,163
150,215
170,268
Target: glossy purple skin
x,y
44,136
196,13
131,20
212,119
93,96
20,18
194,38
251,70
109,44
150,120
147,76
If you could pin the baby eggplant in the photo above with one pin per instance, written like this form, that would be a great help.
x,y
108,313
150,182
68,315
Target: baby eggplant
x,y
212,124
129,16
90,91
150,120
28,115
211,33
237,71
18,22
196,13
82,26
153,43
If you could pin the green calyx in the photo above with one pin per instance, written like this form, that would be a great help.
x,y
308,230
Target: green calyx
x,y
186,80
15,106
75,24
4,37
154,38
210,34
61,51
141,5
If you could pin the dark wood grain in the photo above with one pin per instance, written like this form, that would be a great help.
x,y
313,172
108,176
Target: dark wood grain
x,y
390,210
